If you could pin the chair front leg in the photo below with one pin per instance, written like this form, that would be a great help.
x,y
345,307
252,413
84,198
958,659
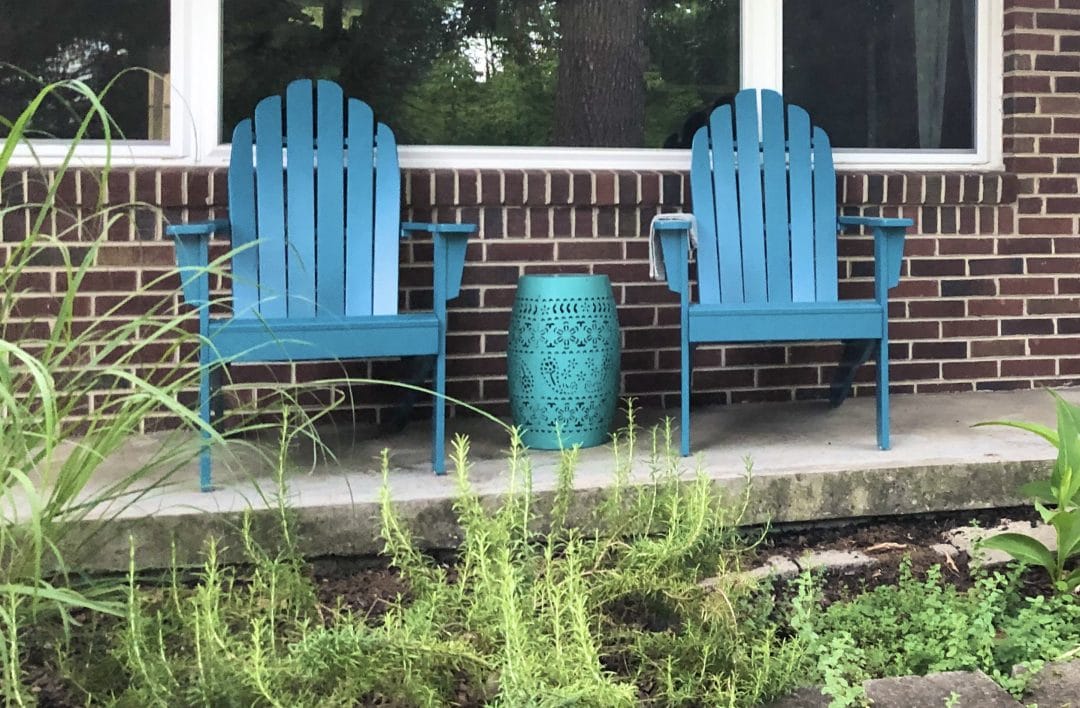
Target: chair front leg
x,y
883,393
684,397
438,455
205,395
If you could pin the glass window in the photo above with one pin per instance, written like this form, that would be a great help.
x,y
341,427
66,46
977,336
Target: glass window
x,y
884,73
47,41
612,73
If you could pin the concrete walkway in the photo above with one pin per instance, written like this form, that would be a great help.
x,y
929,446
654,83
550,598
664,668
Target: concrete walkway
x,y
809,462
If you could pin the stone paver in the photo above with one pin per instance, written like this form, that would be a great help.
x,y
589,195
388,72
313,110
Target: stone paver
x,y
959,689
966,539
805,697
777,567
1056,686
947,550
837,561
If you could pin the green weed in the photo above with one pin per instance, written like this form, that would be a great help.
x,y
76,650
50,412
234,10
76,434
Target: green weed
x,y
1057,500
926,625
72,391
536,610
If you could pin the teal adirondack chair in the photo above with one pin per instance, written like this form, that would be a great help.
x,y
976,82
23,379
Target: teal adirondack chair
x,y
314,218
765,206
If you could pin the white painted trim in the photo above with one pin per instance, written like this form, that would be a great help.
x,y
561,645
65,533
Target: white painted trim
x,y
542,158
183,72
761,44
203,92
196,108
990,58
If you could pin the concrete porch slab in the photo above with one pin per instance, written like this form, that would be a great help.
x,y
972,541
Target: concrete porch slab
x,y
809,462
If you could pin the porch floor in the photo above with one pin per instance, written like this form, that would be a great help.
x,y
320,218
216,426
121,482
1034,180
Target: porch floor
x,y
810,462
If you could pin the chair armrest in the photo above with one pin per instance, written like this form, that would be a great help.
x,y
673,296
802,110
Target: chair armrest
x,y
193,257
674,222
450,242
409,227
889,235
199,228
872,221
674,238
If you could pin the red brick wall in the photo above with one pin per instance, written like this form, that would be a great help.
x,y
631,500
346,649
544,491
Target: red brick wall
x,y
989,299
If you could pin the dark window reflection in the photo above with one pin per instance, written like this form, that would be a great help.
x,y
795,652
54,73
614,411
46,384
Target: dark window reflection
x,y
884,73
486,72
94,42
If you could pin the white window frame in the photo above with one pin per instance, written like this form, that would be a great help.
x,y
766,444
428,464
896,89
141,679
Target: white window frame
x,y
195,63
184,63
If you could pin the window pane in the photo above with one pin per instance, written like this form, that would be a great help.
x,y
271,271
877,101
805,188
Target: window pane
x,y
884,73
93,41
626,73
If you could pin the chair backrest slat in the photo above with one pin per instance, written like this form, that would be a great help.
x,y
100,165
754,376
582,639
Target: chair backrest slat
x,y
245,262
800,177
775,185
269,181
360,209
291,182
387,223
765,197
726,205
750,206
330,249
708,258
824,216
300,186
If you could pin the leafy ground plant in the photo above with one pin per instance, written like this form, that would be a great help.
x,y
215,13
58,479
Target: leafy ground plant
x,y
926,625
1057,500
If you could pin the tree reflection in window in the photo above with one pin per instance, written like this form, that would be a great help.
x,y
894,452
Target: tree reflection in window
x,y
52,40
621,73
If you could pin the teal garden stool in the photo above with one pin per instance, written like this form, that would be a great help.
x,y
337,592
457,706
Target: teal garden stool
x,y
563,360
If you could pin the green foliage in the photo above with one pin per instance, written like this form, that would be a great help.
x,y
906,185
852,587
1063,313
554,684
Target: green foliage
x,y
1057,500
606,616
922,626
54,443
513,106
547,604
